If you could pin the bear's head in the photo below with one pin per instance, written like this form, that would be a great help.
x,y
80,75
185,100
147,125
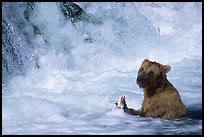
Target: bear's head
x,y
151,74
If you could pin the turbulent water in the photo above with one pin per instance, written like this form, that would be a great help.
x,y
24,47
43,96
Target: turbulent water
x,y
64,68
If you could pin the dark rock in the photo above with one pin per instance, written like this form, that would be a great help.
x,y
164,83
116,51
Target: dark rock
x,y
29,10
75,13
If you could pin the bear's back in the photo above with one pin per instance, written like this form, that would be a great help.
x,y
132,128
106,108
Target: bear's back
x,y
165,104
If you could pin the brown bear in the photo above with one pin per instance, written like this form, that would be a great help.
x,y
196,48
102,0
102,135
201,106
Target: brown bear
x,y
161,99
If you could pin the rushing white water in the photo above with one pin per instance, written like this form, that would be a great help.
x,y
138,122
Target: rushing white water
x,y
85,67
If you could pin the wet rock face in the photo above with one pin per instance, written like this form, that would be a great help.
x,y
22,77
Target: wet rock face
x,y
28,13
11,59
17,48
72,11
19,31
75,13
29,9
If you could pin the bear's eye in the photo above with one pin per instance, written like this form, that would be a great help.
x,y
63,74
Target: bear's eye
x,y
150,72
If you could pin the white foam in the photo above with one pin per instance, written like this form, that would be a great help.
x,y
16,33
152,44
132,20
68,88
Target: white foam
x,y
75,93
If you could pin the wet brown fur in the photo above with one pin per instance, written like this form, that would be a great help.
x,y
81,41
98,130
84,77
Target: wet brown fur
x,y
161,98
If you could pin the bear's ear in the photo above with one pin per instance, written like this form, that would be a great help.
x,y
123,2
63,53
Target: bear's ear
x,y
166,68
145,60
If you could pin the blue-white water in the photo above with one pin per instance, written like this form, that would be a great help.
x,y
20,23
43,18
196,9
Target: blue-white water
x,y
62,76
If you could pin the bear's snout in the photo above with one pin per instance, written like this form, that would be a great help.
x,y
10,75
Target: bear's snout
x,y
141,79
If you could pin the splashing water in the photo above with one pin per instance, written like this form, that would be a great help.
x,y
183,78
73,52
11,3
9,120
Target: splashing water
x,y
63,77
